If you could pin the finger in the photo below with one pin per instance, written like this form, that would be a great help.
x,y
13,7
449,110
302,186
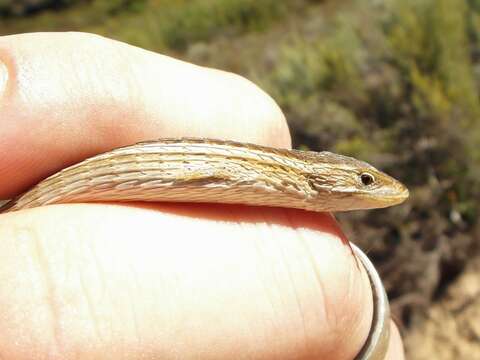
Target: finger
x,y
275,284
395,348
66,96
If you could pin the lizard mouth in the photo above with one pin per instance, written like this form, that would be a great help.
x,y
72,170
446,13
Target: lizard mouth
x,y
386,198
395,196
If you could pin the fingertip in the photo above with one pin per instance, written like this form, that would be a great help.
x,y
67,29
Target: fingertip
x,y
262,110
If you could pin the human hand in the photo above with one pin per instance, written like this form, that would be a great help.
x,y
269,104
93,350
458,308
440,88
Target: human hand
x,y
157,280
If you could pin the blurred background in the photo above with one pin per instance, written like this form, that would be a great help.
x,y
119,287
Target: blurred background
x,y
393,82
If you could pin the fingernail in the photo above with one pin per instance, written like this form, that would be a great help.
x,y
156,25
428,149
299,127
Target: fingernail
x,y
3,77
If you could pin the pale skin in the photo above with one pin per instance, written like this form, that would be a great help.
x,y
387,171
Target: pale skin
x,y
157,281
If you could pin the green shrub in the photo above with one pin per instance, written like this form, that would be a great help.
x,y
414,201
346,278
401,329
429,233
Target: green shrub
x,y
187,22
319,85
429,45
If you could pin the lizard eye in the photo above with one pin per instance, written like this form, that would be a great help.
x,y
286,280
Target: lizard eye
x,y
367,179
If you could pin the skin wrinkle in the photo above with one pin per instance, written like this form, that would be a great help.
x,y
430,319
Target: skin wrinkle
x,y
297,299
273,229
318,276
296,294
103,284
321,287
262,255
25,250
273,281
84,288
99,269
323,292
135,283
50,299
353,285
115,307
86,293
75,276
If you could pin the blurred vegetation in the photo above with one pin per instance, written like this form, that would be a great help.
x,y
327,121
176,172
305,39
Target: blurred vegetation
x,y
157,24
394,82
407,88
23,7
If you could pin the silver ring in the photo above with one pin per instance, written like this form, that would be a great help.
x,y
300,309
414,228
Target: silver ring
x,y
376,346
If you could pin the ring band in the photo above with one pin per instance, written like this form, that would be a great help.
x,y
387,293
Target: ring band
x,y
376,345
